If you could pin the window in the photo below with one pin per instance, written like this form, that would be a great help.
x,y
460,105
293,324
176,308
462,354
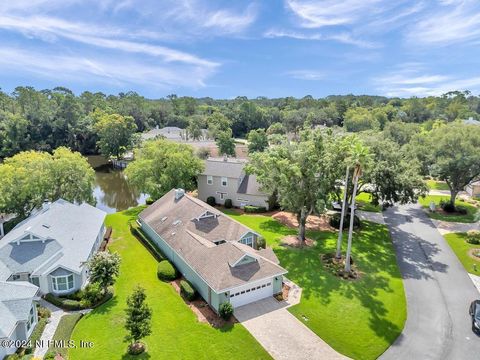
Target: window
x,y
209,180
224,181
248,240
16,277
63,283
31,318
222,195
35,281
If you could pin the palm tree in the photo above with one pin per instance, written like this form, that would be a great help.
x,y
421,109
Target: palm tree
x,y
338,254
360,157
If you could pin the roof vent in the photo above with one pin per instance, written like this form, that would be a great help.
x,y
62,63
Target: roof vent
x,y
179,193
46,226
164,218
176,222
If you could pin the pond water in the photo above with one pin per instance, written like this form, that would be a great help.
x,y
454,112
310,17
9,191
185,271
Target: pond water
x,y
112,191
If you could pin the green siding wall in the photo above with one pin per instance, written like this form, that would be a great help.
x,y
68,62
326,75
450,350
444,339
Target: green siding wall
x,y
277,284
200,285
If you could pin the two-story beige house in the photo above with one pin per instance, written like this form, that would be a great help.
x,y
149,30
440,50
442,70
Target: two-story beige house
x,y
225,178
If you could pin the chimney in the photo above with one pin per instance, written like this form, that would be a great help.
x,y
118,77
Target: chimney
x,y
179,193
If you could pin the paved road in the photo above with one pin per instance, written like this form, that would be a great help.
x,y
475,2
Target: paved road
x,y
438,291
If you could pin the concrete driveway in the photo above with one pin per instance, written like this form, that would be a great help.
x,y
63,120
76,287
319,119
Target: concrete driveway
x,y
438,291
281,333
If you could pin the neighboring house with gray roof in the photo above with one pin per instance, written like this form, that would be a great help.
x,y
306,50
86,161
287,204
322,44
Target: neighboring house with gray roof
x,y
18,313
50,248
225,178
471,121
214,252
171,133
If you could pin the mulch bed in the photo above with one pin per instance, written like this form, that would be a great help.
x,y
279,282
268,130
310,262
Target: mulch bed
x,y
292,241
314,222
337,267
204,312
470,253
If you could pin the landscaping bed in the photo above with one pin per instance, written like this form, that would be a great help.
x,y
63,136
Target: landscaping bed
x,y
77,300
317,223
471,210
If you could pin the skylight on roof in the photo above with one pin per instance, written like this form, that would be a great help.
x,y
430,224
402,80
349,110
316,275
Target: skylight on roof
x,y
176,222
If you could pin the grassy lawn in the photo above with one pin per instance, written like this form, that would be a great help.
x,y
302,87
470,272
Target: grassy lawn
x,y
64,331
357,318
437,185
364,202
472,211
176,333
461,248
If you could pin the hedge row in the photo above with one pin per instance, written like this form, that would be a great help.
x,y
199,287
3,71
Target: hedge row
x,y
151,246
70,304
254,209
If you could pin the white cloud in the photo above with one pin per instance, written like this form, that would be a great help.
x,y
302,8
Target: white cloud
x,y
313,75
414,80
101,69
316,14
341,37
454,22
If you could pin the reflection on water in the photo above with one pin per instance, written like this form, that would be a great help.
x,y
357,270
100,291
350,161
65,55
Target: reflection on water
x,y
112,191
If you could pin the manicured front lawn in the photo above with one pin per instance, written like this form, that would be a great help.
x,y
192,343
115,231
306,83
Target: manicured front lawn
x,y
470,217
176,333
461,248
357,318
64,332
437,185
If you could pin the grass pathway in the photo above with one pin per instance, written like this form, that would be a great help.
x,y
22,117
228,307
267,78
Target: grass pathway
x,y
176,333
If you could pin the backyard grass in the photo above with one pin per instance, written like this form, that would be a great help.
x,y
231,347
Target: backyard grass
x,y
461,248
357,318
437,185
471,216
364,202
176,333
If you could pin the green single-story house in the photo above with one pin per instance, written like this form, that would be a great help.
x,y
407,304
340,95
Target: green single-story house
x,y
215,253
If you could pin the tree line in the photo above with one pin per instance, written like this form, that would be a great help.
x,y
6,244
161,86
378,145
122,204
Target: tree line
x,y
44,120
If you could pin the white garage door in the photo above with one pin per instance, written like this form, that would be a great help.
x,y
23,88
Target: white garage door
x,y
252,292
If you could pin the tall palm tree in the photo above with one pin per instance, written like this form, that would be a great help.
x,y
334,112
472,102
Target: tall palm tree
x,y
360,157
338,254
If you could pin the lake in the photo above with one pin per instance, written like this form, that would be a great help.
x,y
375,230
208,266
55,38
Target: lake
x,y
112,191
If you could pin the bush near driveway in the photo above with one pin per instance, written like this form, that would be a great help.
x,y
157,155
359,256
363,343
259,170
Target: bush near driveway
x,y
176,331
359,318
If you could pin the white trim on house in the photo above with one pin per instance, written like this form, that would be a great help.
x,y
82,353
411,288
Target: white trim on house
x,y
224,181
243,257
266,278
248,293
209,180
67,282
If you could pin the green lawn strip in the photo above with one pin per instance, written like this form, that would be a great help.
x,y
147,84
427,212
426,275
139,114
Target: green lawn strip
x,y
176,332
357,318
470,217
64,333
461,248
437,185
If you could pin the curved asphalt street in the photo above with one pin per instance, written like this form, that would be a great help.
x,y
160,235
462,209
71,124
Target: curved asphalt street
x,y
438,290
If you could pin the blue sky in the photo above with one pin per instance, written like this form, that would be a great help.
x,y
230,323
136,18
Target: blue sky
x,y
225,49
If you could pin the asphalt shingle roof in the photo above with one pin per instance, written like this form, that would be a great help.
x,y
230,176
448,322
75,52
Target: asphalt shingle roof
x,y
177,222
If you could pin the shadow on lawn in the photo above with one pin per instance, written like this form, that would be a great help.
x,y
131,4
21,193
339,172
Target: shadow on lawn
x,y
373,255
142,356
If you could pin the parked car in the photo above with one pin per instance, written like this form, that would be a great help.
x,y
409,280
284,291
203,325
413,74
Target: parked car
x,y
475,314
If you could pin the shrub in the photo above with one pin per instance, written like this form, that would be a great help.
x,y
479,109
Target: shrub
x,y
473,237
50,355
150,245
12,357
335,221
225,310
92,294
211,201
166,271
255,209
149,201
43,312
462,210
187,290
447,206
261,243
203,153
228,203
64,303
